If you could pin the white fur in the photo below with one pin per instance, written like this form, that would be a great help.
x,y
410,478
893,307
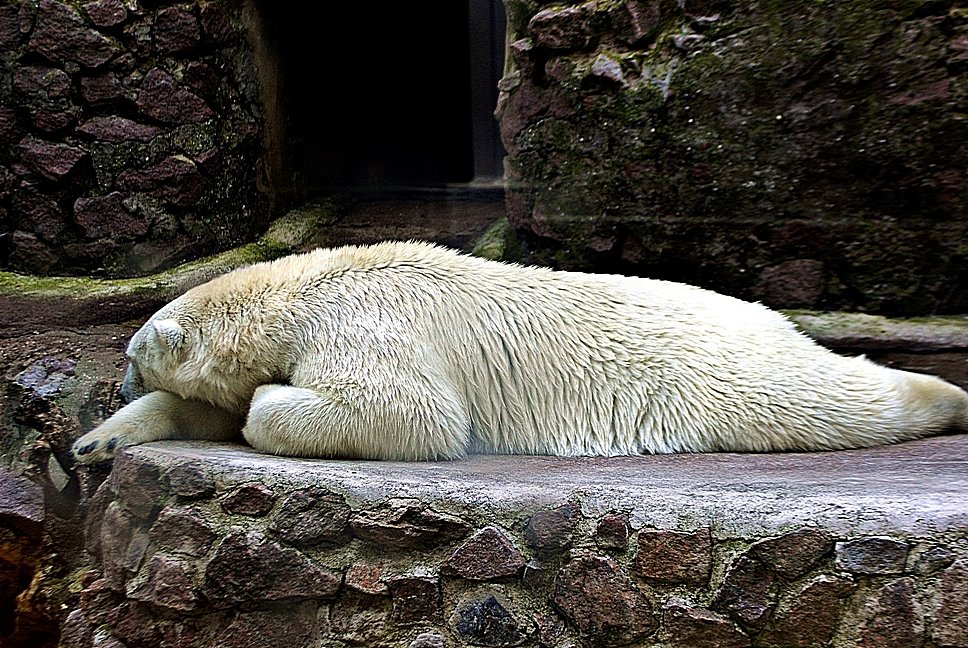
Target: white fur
x,y
412,351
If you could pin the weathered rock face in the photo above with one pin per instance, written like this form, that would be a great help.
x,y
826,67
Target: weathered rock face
x,y
806,154
23,617
129,135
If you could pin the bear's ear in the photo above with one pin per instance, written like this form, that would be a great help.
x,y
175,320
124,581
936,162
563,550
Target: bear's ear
x,y
170,332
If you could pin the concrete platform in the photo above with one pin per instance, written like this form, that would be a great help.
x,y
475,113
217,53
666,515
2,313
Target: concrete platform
x,y
915,488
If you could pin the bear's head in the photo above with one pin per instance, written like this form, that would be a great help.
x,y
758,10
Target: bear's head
x,y
153,354
183,351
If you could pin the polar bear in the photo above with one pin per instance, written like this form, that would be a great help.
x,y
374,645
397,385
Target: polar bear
x,y
410,351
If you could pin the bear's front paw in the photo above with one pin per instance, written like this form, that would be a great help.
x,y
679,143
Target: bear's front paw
x,y
98,445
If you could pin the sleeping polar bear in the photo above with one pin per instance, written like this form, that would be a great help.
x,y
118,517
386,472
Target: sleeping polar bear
x,y
410,351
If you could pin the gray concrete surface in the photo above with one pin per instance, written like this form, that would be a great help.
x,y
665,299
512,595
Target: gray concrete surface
x,y
915,488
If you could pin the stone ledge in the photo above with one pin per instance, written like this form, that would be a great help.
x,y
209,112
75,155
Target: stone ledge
x,y
861,331
215,543
912,488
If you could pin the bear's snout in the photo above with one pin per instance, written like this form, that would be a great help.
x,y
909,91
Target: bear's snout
x,y
131,387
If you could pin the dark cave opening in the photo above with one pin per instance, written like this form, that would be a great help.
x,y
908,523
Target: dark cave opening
x,y
376,96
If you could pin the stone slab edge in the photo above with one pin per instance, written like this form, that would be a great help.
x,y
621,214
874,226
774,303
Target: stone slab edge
x,y
916,488
861,331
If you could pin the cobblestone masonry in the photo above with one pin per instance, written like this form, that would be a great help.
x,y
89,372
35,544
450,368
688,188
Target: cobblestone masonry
x,y
204,545
129,135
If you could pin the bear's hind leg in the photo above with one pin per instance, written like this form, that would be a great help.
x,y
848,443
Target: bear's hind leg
x,y
932,404
350,422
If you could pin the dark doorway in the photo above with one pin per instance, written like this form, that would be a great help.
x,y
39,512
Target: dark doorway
x,y
381,94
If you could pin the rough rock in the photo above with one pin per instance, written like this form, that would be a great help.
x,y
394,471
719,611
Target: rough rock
x,y
891,618
674,556
599,599
428,640
51,160
9,130
117,129
360,620
176,30
105,13
254,499
607,69
248,567
487,622
933,559
366,579
415,599
686,626
312,517
167,585
795,164
139,486
61,36
189,482
133,624
105,216
613,531
76,630
162,98
102,89
793,554
486,555
407,524
564,28
811,618
872,555
46,377
179,530
798,283
98,600
175,179
122,546
42,88
52,123
9,27
636,22
552,530
217,24
744,591
951,611
41,214
271,629
21,503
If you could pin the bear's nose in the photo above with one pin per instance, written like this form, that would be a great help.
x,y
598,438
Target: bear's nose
x,y
127,395
131,387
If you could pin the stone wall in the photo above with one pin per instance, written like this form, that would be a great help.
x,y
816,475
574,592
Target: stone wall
x,y
204,545
808,154
130,135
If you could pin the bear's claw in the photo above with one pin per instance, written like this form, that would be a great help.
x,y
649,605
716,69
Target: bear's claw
x,y
85,449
